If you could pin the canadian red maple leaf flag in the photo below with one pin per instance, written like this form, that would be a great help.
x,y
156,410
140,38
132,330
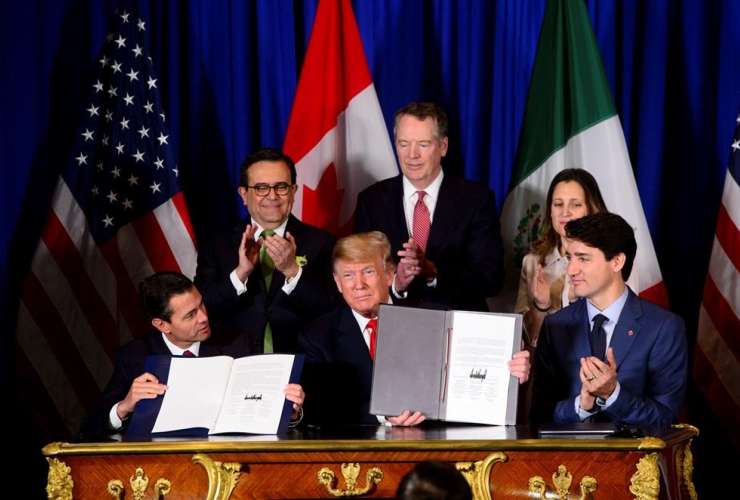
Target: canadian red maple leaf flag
x,y
336,133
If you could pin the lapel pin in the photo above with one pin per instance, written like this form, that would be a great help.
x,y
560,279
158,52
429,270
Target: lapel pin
x,y
630,333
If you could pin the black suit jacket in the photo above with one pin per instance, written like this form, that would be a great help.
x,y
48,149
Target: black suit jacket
x,y
464,241
338,372
130,360
314,295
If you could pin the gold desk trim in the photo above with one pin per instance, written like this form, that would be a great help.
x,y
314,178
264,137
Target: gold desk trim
x,y
287,446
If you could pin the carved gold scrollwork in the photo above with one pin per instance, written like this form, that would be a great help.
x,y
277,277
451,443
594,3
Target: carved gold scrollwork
x,y
588,486
222,477
651,443
562,480
116,489
350,472
478,474
139,484
538,485
162,487
59,482
685,469
690,427
645,482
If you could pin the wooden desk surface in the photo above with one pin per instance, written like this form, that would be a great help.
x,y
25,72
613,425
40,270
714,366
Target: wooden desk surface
x,y
506,462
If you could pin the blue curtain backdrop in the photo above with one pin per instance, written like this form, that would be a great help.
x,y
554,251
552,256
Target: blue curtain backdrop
x,y
228,71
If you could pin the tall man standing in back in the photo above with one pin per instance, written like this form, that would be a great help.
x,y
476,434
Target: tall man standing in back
x,y
444,232
271,275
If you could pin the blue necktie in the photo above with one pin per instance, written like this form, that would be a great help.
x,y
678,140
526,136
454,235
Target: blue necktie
x,y
598,337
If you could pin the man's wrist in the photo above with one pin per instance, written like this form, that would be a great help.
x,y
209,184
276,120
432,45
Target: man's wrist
x,y
291,272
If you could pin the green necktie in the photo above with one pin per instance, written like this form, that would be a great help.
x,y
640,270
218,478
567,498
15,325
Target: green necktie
x,y
268,266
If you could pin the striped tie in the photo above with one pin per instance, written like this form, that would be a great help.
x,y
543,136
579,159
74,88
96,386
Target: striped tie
x,y
422,222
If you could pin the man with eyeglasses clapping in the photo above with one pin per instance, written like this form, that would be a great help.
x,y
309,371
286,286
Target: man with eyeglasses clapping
x,y
272,274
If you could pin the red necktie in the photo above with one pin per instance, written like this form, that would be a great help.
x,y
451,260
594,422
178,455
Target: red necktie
x,y
372,325
422,222
188,354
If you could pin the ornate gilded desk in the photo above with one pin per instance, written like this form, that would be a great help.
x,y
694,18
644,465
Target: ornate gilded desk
x,y
499,462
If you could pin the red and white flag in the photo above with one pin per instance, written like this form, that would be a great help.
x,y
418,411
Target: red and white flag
x,y
336,133
717,355
117,216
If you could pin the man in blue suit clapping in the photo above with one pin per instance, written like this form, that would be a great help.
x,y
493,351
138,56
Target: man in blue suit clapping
x,y
610,356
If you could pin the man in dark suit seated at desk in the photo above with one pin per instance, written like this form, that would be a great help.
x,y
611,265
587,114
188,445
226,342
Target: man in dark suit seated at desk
x,y
270,275
175,307
640,379
340,346
444,232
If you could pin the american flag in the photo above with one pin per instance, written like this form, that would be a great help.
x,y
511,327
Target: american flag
x,y
117,216
717,356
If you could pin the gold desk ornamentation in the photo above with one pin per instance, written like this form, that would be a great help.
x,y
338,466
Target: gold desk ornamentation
x,y
139,484
222,477
685,470
350,472
651,443
115,488
690,427
562,479
646,480
478,474
59,482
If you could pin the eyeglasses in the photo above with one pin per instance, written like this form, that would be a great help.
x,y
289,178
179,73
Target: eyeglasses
x,y
281,189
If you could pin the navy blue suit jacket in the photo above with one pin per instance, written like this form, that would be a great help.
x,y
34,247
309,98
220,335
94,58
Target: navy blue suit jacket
x,y
338,372
650,350
130,360
314,295
464,241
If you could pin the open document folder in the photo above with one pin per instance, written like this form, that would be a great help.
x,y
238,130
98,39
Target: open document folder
x,y
216,395
449,365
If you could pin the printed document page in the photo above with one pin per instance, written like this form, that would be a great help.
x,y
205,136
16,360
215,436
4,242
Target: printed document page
x,y
196,388
254,398
481,346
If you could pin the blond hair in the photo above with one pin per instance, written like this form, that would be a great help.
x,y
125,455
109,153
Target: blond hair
x,y
363,247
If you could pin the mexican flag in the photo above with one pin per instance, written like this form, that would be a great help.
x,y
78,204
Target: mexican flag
x,y
571,121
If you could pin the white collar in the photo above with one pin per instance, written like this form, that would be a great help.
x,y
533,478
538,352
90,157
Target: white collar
x,y
431,190
179,351
280,230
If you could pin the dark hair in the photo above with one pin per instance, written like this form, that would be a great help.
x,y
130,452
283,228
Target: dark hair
x,y
265,154
156,291
609,233
432,481
594,203
422,111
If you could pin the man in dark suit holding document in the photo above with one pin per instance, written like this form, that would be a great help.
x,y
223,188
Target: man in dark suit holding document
x,y
340,346
175,307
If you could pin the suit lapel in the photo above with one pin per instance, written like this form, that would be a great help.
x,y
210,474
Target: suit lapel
x,y
156,343
393,200
352,342
628,328
445,215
